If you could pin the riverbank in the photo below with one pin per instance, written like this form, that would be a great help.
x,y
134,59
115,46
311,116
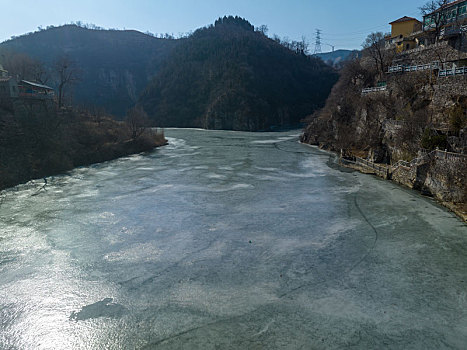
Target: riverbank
x,y
51,141
108,152
460,209
385,172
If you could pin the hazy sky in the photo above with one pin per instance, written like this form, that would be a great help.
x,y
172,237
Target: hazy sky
x,y
345,23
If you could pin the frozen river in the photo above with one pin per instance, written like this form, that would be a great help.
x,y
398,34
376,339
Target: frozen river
x,y
229,240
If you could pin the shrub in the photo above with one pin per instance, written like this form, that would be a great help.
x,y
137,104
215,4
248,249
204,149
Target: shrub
x,y
431,140
457,118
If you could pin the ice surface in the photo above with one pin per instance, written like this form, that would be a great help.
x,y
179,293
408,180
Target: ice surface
x,y
228,240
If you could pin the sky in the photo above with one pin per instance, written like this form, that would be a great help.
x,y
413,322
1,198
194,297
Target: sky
x,y
344,23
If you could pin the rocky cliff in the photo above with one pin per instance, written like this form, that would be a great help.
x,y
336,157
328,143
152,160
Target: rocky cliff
x,y
405,116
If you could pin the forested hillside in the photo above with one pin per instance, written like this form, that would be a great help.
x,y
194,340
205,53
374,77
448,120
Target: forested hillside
x,y
37,139
112,66
225,76
229,76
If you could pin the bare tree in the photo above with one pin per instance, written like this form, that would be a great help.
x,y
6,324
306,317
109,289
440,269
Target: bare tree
x,y
41,75
263,29
23,67
67,74
438,18
137,121
374,47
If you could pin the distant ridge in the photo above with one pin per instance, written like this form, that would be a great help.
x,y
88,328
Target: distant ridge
x,y
115,65
225,76
337,57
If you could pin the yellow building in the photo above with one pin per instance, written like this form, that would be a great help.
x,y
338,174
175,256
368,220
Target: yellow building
x,y
402,31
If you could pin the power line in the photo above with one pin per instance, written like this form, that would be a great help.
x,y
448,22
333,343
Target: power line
x,y
363,30
318,41
381,27
368,29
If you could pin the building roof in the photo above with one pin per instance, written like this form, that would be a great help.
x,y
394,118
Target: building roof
x,y
37,85
404,19
452,3
448,5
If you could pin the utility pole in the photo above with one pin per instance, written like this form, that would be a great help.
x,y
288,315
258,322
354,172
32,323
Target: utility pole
x,y
318,41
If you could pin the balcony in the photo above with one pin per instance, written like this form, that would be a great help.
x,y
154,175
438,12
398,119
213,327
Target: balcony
x,y
453,30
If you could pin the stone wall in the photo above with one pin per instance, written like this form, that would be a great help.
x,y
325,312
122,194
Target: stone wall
x,y
446,87
444,51
405,176
443,176
446,92
446,179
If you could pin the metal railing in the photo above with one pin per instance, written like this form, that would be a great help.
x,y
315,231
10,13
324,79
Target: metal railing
x,y
438,154
374,89
346,161
449,155
407,68
378,169
453,72
453,30
387,171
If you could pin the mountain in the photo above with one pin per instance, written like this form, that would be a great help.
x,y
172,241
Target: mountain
x,y
115,66
335,58
229,76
